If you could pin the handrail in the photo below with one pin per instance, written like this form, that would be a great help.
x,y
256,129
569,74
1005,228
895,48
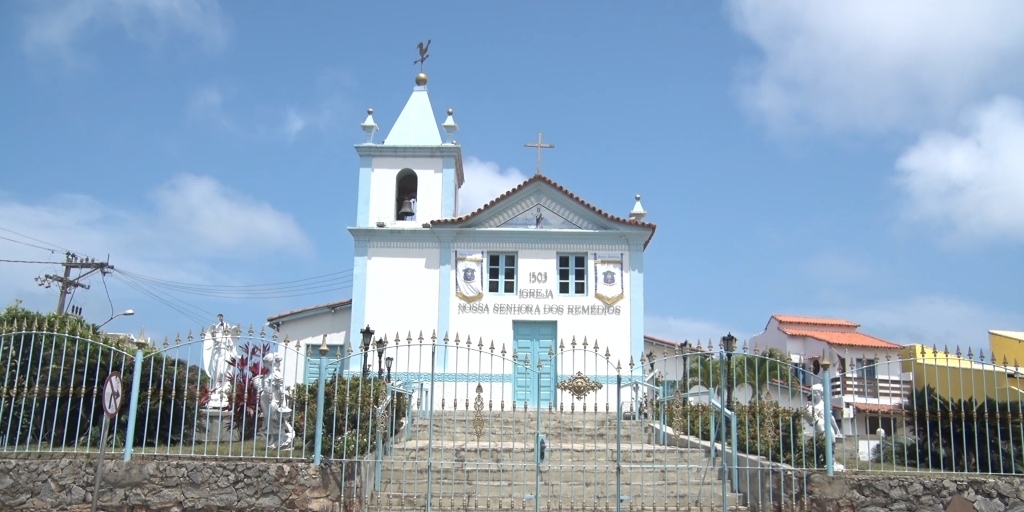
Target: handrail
x,y
732,422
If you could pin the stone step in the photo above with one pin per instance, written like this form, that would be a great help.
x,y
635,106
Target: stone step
x,y
582,500
463,472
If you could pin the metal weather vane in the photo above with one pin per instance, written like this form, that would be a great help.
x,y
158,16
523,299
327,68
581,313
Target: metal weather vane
x,y
423,53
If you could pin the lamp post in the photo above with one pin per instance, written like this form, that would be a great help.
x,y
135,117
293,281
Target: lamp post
x,y
729,344
126,312
367,336
380,356
387,362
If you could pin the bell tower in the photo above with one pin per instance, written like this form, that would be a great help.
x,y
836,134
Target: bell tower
x,y
412,176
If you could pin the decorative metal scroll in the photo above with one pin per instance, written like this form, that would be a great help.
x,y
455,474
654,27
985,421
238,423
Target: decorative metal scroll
x,y
478,417
579,385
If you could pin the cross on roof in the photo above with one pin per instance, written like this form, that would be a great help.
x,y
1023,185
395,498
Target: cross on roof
x,y
540,147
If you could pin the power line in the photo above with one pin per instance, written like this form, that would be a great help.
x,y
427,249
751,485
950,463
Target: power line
x,y
195,286
36,240
32,262
30,245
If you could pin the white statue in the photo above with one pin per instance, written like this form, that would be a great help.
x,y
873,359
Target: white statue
x,y
815,413
274,401
219,344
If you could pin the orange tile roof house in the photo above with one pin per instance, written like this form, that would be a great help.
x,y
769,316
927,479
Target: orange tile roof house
x,y
866,373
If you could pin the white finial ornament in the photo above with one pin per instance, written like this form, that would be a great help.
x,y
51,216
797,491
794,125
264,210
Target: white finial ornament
x,y
369,126
450,127
637,213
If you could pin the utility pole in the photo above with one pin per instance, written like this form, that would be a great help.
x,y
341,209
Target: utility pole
x,y
67,283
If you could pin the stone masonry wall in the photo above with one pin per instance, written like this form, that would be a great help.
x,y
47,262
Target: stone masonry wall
x,y
179,485
889,492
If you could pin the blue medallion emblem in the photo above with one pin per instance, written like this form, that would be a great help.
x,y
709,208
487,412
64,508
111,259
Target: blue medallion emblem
x,y
469,274
609,277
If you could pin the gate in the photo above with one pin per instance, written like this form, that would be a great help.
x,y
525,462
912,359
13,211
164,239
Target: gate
x,y
470,440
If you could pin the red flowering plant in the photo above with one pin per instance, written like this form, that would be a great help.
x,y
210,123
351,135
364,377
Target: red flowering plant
x,y
244,399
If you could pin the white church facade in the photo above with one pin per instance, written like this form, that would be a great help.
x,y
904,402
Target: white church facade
x,y
533,272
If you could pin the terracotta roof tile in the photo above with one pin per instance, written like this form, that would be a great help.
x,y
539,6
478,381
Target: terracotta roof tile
x,y
544,179
810,320
852,339
879,408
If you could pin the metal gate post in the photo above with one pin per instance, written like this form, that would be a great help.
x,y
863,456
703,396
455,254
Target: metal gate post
x,y
430,423
618,443
318,429
829,435
725,465
133,406
536,444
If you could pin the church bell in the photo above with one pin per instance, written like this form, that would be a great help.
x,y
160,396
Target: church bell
x,y
406,210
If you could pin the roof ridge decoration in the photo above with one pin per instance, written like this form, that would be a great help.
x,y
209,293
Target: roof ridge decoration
x,y
539,178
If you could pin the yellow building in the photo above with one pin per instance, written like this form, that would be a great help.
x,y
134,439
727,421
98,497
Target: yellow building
x,y
1007,346
957,378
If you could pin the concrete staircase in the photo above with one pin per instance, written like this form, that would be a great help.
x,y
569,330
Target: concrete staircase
x,y
497,470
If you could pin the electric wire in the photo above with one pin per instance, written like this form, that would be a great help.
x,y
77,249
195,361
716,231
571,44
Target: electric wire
x,y
36,240
189,315
196,310
286,284
28,244
297,288
32,262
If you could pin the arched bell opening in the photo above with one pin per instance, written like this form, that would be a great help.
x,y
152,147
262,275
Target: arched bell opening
x,y
406,185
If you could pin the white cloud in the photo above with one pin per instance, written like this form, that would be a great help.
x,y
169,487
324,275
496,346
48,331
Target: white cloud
x,y
933,320
201,211
484,182
191,224
56,27
687,329
294,123
207,104
875,64
970,183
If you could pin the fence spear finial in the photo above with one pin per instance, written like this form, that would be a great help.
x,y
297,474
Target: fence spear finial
x,y
323,346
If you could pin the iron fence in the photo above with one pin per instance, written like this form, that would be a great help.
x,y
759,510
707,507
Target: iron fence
x,y
461,423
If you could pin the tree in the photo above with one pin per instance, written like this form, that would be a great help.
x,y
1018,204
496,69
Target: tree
x,y
54,369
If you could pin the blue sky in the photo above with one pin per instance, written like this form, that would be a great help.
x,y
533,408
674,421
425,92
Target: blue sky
x,y
853,159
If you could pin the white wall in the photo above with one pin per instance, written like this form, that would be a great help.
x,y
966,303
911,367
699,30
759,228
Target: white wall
x,y
401,291
306,333
383,187
611,331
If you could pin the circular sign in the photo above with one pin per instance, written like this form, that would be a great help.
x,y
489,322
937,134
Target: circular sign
x,y
112,394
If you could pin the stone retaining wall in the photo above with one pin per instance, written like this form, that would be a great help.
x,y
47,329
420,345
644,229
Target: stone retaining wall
x,y
882,492
177,485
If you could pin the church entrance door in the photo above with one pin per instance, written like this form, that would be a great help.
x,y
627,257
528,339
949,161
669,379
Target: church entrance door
x,y
536,340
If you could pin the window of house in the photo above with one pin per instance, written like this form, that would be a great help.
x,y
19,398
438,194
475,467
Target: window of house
x,y
572,274
501,273
866,368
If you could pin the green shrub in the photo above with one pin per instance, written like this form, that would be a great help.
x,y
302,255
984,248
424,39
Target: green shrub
x,y
350,419
763,428
54,369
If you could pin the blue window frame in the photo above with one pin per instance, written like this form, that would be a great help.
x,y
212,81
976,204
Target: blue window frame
x,y
501,272
572,274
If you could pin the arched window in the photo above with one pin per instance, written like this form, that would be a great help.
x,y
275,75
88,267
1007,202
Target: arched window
x,y
406,185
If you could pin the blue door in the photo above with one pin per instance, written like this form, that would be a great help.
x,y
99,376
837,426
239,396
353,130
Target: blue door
x,y
536,340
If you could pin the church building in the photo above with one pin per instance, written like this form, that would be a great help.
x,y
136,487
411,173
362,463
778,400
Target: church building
x,y
533,271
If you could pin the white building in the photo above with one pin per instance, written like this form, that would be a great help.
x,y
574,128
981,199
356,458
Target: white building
x,y
529,272
867,380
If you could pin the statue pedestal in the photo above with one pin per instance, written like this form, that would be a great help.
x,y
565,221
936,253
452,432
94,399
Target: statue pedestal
x,y
214,426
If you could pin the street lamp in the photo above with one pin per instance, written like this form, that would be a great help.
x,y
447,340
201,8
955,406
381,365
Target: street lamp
x,y
126,312
387,362
367,336
729,344
380,357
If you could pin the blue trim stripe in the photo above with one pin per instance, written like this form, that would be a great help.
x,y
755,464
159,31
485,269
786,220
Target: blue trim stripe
x,y
358,295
